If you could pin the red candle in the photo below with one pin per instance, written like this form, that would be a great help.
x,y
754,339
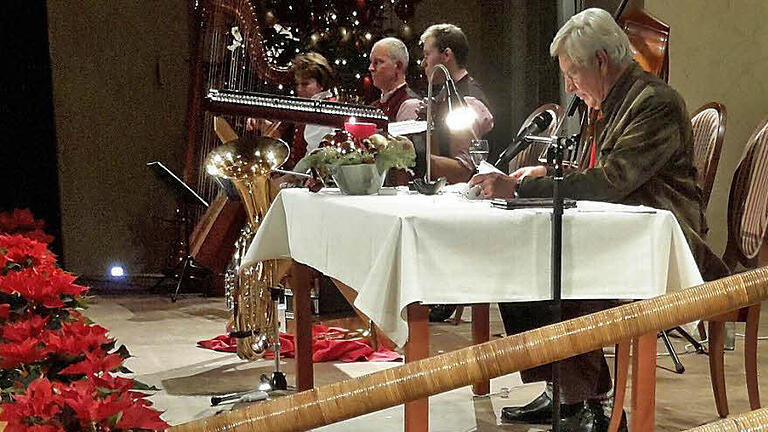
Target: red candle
x,y
360,130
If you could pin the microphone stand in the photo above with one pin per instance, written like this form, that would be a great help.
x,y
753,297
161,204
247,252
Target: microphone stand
x,y
555,155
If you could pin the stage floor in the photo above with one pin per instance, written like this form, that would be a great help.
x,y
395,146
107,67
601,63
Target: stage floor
x,y
162,337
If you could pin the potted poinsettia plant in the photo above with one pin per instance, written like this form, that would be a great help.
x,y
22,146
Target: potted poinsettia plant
x,y
56,367
359,165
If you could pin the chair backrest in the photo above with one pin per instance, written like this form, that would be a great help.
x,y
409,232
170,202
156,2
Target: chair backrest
x,y
530,156
748,202
708,124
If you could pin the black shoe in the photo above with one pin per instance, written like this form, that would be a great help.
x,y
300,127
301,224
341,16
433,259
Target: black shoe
x,y
591,418
538,411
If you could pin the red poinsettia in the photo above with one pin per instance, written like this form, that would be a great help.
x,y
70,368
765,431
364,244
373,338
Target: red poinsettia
x,y
46,290
25,252
85,404
22,221
90,407
41,334
76,338
38,405
111,382
139,416
96,404
25,352
94,362
29,326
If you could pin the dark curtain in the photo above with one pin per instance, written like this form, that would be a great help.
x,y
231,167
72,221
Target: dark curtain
x,y
28,137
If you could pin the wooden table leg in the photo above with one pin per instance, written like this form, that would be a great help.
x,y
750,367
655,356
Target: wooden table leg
x,y
643,383
481,330
301,279
417,348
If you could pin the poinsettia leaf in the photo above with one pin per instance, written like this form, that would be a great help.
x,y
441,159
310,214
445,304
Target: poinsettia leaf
x,y
34,373
69,418
137,417
138,385
83,302
56,320
123,351
114,419
103,391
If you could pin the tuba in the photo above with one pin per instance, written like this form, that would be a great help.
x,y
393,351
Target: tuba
x,y
247,162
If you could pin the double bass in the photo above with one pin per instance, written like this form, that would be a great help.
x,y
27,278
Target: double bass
x,y
649,38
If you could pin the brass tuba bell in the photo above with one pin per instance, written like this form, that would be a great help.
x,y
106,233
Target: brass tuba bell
x,y
247,162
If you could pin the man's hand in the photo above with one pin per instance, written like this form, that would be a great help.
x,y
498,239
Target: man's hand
x,y
529,171
497,185
494,185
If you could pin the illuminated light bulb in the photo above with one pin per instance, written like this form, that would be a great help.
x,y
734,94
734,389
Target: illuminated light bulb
x,y
117,271
460,118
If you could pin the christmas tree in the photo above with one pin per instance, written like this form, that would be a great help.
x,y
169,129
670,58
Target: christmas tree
x,y
343,31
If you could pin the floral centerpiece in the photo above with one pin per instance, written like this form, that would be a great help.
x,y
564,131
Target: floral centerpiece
x,y
56,367
359,165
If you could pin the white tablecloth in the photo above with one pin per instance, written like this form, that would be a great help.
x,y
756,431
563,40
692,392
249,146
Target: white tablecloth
x,y
405,248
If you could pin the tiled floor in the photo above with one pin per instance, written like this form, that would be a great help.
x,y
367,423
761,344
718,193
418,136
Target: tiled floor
x,y
162,336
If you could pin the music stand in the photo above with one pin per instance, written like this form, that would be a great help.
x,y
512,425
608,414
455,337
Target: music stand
x,y
187,197
182,190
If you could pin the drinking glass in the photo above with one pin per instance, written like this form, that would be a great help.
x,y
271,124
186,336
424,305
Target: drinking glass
x,y
478,150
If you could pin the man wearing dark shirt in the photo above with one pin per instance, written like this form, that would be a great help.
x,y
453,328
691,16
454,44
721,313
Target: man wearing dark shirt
x,y
447,45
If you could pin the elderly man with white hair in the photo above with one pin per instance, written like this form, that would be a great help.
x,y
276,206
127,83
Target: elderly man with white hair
x,y
389,64
639,151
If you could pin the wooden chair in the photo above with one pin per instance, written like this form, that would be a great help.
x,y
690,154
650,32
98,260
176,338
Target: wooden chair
x,y
708,124
747,227
533,154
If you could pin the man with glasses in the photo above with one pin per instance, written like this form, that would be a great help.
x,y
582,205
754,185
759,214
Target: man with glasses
x,y
640,152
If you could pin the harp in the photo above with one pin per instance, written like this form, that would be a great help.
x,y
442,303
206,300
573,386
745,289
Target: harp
x,y
227,52
235,76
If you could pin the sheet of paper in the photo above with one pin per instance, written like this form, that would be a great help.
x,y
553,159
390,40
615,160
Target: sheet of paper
x,y
407,127
485,168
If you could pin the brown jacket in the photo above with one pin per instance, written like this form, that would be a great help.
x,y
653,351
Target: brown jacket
x,y
644,156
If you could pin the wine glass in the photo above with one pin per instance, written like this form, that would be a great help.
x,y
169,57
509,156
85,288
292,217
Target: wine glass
x,y
478,150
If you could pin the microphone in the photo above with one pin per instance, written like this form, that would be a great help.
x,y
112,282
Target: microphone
x,y
540,123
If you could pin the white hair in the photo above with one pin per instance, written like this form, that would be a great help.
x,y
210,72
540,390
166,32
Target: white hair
x,y
396,50
588,32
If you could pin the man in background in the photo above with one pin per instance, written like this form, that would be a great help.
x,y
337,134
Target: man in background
x,y
446,44
389,65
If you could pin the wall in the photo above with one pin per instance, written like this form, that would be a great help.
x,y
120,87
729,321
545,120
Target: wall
x,y
120,78
719,52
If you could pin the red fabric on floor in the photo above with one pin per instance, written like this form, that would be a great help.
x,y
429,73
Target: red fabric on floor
x,y
327,345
